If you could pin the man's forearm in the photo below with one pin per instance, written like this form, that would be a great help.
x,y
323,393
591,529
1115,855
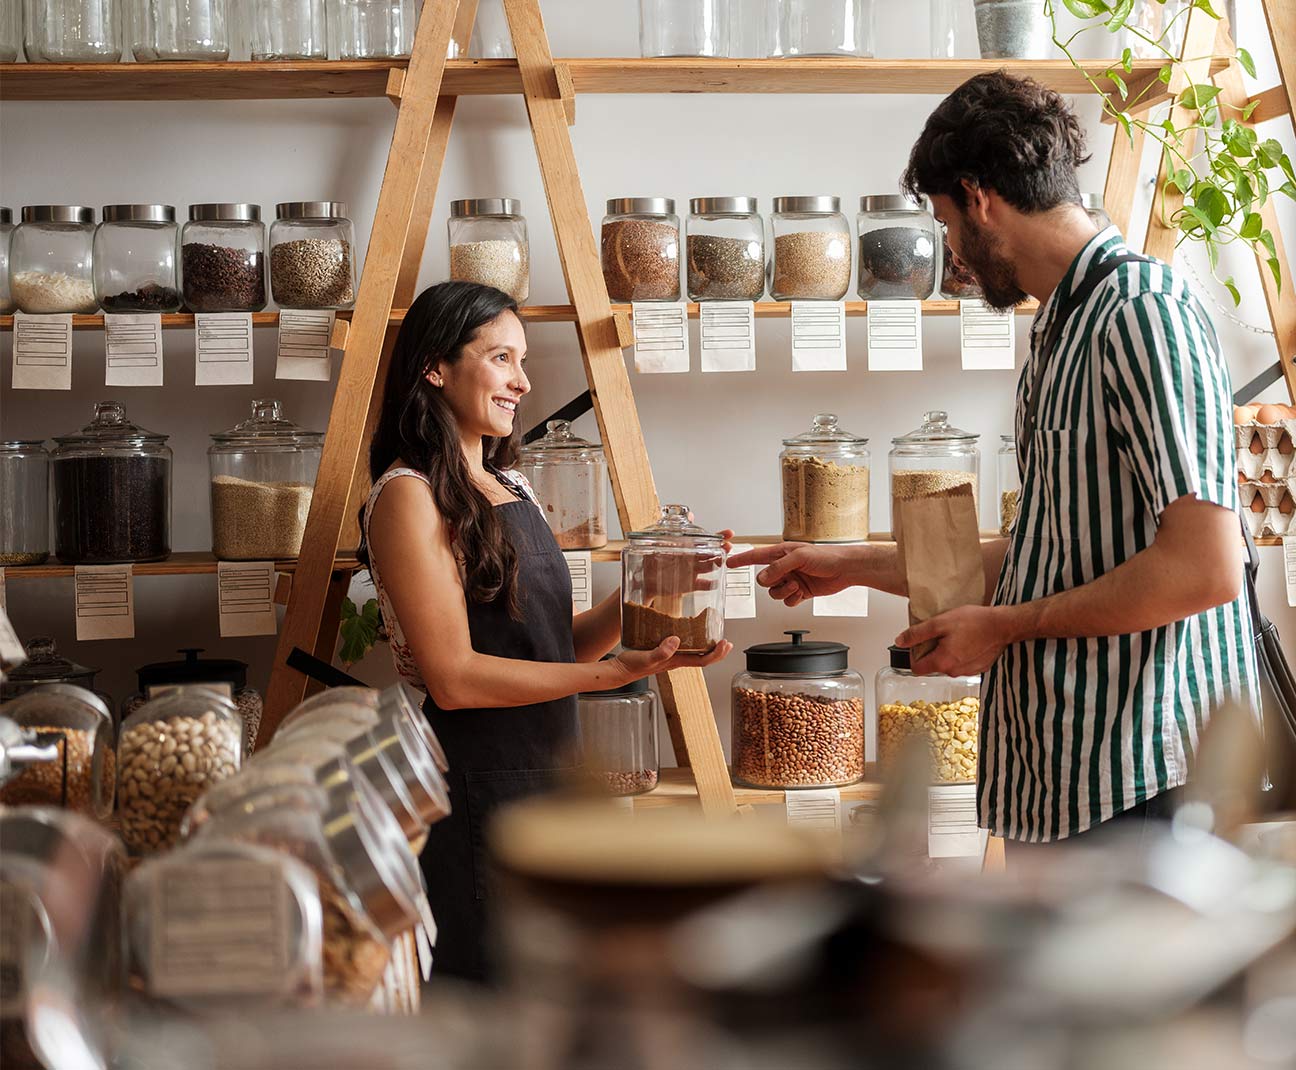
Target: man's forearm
x,y
877,565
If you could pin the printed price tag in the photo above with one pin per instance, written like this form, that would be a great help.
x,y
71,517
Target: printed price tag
x,y
740,589
133,349
580,563
814,808
42,352
818,336
105,602
661,337
304,351
246,598
895,336
1289,567
223,348
952,822
988,338
727,330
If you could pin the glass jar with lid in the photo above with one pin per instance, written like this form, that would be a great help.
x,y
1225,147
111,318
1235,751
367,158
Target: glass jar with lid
x,y
619,738
940,711
288,29
135,259
683,28
79,724
488,245
72,31
263,475
51,257
824,28
641,249
934,457
569,477
227,675
1096,210
1009,482
957,281
45,665
812,250
798,716
112,491
24,502
725,248
10,32
825,475
672,583
312,255
374,29
897,249
185,29
6,241
222,258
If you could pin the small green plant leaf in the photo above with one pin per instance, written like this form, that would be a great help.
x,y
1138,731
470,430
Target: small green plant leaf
x,y
1212,255
1284,161
1288,188
1246,62
1249,110
1270,153
1199,96
1119,13
1277,271
1164,75
1127,60
1252,225
1120,84
1267,240
1231,287
1194,219
1085,9
1204,5
359,630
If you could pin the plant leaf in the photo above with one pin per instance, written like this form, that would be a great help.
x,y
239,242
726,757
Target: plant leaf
x,y
1119,14
1194,218
1277,271
1212,255
1270,153
1127,61
1085,9
1204,5
1246,62
1267,240
1199,96
1249,110
1120,84
359,630
1252,225
1164,75
1231,287
1288,188
1285,163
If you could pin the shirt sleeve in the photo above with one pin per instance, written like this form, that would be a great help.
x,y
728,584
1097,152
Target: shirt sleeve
x,y
1169,403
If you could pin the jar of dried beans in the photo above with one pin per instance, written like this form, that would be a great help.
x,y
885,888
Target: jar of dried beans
x,y
812,250
222,258
488,244
825,474
641,249
569,477
939,712
312,255
619,738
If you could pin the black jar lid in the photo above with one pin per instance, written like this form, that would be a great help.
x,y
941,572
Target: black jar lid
x,y
900,658
797,656
193,670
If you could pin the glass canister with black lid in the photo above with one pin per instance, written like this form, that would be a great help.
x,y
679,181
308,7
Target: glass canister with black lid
x,y
24,502
619,738
569,477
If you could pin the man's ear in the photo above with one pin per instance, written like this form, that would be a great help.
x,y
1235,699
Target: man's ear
x,y
978,201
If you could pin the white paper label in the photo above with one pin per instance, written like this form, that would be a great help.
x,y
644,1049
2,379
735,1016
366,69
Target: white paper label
x,y
246,597
727,330
818,336
952,822
1289,567
223,348
580,563
661,337
814,808
304,344
133,349
42,352
11,650
988,337
895,336
852,602
740,589
105,602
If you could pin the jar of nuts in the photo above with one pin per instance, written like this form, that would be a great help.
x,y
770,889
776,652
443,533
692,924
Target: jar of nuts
x,y
619,738
798,716
227,675
940,711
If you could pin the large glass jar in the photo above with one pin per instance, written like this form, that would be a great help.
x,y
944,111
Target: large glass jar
x,y
897,249
263,475
824,28
569,476
683,27
798,716
941,711
135,259
222,253
1009,482
825,475
24,502
488,244
725,248
953,30
72,31
619,738
1096,210
812,250
312,255
933,457
45,665
6,239
10,32
672,583
80,725
957,282
187,29
51,260
288,29
224,674
374,29
641,249
112,491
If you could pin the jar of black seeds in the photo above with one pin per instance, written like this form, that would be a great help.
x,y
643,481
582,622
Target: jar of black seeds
x,y
312,255
725,246
222,258
898,249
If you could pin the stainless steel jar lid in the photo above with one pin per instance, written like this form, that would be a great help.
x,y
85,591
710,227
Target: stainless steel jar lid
x,y
138,213
227,211
408,764
888,202
485,206
401,697
311,209
57,213
6,215
807,204
641,206
723,206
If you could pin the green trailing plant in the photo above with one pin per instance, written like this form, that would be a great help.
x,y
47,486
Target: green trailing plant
x,y
1231,172
360,628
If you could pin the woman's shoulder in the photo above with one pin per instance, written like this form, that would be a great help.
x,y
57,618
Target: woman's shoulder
x,y
403,487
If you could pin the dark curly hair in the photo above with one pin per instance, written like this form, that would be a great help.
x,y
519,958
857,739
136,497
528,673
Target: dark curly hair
x,y
1008,134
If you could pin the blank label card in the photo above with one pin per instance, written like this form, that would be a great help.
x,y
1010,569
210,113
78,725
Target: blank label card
x,y
728,333
105,602
42,352
818,336
661,337
246,593
133,349
304,345
988,337
223,349
895,336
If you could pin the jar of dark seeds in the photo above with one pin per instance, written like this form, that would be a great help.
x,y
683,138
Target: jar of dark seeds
x,y
897,249
488,244
641,249
812,250
112,491
135,267
312,255
619,738
222,255
725,247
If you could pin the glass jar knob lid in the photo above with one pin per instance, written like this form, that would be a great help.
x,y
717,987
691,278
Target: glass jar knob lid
x,y
267,425
109,426
559,436
824,429
675,525
936,428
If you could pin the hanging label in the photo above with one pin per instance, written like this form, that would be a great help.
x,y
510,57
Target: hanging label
x,y
105,602
245,590
661,337
727,330
223,349
818,336
42,352
895,336
1289,567
814,808
952,822
740,589
988,338
133,349
304,351
580,563
11,650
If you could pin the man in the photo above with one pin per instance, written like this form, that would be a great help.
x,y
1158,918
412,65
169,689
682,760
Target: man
x,y
1117,619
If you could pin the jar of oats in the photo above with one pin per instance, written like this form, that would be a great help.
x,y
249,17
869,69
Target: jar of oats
x,y
941,713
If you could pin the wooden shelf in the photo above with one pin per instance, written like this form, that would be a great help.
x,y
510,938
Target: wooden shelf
x,y
676,788
612,551
180,563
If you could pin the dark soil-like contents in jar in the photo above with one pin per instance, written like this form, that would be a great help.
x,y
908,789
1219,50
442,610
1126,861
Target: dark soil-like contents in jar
x,y
111,509
725,269
218,278
148,298
897,263
641,260
643,628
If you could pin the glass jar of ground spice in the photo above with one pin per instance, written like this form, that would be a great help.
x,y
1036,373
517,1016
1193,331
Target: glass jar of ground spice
x,y
569,477
488,244
812,250
897,249
135,267
112,491
51,260
725,247
24,502
222,258
312,255
641,249
825,474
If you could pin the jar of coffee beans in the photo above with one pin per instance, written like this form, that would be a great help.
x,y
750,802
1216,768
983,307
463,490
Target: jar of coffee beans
x,y
312,255
222,258
812,250
488,245
641,249
135,267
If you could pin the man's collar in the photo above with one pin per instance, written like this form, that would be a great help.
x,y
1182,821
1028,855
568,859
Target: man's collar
x,y
1102,245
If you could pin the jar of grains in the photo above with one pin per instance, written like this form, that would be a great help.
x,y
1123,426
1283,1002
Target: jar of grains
x,y
725,247
641,249
934,457
262,478
135,266
798,716
957,281
825,484
569,477
897,249
940,711
222,258
6,243
24,502
312,255
51,260
812,250
1009,482
619,738
488,244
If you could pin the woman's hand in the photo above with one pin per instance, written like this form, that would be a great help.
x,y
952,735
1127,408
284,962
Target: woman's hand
x,y
637,664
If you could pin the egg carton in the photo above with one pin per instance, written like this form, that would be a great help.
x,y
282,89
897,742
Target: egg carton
x,y
1266,448
1276,501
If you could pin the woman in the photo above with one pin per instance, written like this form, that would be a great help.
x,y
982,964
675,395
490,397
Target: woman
x,y
474,591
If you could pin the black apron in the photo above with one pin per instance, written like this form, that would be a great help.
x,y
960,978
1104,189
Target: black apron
x,y
499,755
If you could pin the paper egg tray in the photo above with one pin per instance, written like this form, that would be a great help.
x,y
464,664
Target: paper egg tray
x,y
1266,448
1273,516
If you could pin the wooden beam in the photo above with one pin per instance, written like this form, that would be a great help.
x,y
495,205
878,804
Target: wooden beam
x,y
566,90
330,622
1123,175
1281,15
395,85
1273,103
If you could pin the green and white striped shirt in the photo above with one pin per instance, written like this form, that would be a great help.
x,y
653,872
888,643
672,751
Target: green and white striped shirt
x,y
1135,412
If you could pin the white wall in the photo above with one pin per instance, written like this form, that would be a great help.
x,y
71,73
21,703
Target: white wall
x,y
713,439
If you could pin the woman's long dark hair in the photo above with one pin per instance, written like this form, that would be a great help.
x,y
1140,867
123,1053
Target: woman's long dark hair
x,y
418,427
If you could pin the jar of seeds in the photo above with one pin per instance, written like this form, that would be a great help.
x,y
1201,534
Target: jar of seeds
x,y
312,255
1009,482
641,249
488,244
222,257
725,247
51,260
933,457
24,502
812,250
897,249
135,266
939,712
